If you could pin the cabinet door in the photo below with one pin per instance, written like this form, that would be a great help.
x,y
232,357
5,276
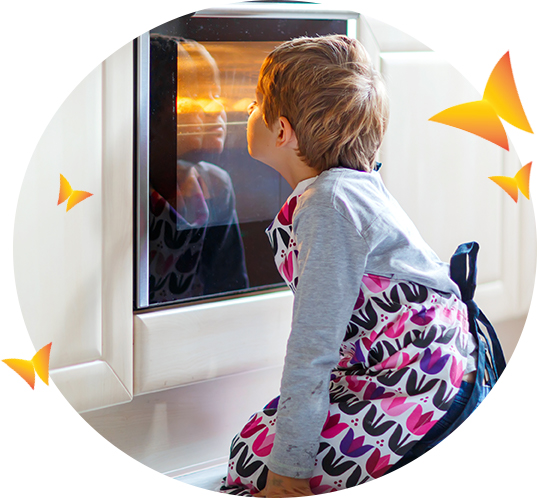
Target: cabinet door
x,y
74,269
439,174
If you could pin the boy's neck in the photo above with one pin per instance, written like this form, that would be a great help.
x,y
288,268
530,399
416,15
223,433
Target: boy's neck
x,y
296,170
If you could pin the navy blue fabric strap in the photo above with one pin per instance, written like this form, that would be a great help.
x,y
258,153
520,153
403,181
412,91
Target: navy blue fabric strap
x,y
490,358
463,270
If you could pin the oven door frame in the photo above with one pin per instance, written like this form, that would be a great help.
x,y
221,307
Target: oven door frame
x,y
183,343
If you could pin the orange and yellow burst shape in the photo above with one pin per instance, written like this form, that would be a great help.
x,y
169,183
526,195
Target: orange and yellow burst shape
x,y
73,197
27,369
521,181
500,100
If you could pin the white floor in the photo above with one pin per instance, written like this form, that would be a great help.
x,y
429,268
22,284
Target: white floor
x,y
206,479
211,478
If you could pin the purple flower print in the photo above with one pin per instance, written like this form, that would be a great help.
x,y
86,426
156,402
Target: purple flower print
x,y
374,392
316,488
252,427
355,384
396,406
424,316
354,447
420,423
332,426
263,444
377,465
286,268
285,216
375,283
433,363
360,301
395,329
456,372
396,361
368,341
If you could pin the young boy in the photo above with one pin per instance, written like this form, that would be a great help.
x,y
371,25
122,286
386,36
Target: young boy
x,y
379,339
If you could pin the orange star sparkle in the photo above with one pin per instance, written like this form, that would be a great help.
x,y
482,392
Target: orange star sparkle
x,y
521,181
500,100
73,196
26,369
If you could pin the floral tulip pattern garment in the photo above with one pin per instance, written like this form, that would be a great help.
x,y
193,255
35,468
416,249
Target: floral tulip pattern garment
x,y
401,364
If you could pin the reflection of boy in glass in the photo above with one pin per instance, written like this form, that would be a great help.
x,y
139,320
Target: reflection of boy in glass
x,y
195,246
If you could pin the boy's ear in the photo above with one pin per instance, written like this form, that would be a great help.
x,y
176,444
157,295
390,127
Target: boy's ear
x,y
286,134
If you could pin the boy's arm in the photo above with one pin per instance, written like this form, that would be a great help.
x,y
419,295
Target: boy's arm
x,y
331,263
282,487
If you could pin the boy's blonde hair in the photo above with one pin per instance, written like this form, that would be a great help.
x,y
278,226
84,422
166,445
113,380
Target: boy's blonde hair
x,y
332,96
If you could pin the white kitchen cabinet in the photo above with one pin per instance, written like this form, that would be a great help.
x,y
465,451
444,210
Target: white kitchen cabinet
x,y
148,381
439,174
73,269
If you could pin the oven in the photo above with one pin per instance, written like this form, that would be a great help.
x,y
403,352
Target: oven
x,y
204,270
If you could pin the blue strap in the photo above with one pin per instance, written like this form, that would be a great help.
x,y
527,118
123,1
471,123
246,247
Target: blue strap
x,y
463,270
490,358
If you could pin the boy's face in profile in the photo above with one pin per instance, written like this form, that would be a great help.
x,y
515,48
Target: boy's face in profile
x,y
261,140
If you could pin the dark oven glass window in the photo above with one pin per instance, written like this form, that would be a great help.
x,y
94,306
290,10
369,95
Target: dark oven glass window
x,y
209,201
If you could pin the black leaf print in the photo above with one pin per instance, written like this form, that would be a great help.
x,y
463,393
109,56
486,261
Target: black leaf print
x,y
348,402
262,479
332,466
352,330
156,285
353,408
389,347
179,286
187,262
375,355
172,215
375,427
397,445
197,235
367,320
322,447
336,390
235,448
414,293
244,468
358,369
391,305
425,341
446,335
273,243
441,399
410,337
284,236
414,387
392,378
155,229
175,239
460,348
354,477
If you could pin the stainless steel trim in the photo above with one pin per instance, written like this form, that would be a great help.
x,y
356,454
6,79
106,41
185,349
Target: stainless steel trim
x,y
142,173
245,10
277,10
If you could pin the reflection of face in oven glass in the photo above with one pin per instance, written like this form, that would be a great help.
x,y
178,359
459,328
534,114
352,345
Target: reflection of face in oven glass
x,y
201,117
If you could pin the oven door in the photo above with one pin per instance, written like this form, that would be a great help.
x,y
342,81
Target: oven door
x,y
209,301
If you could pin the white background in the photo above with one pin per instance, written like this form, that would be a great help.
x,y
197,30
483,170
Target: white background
x,y
46,49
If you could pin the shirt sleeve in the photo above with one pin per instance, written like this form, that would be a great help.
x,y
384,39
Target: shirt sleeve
x,y
331,262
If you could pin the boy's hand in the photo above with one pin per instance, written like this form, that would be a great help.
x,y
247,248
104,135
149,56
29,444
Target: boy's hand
x,y
284,487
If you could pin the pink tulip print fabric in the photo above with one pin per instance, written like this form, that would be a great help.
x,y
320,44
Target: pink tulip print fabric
x,y
401,364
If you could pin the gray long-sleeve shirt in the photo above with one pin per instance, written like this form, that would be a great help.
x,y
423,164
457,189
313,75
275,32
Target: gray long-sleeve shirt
x,y
346,223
